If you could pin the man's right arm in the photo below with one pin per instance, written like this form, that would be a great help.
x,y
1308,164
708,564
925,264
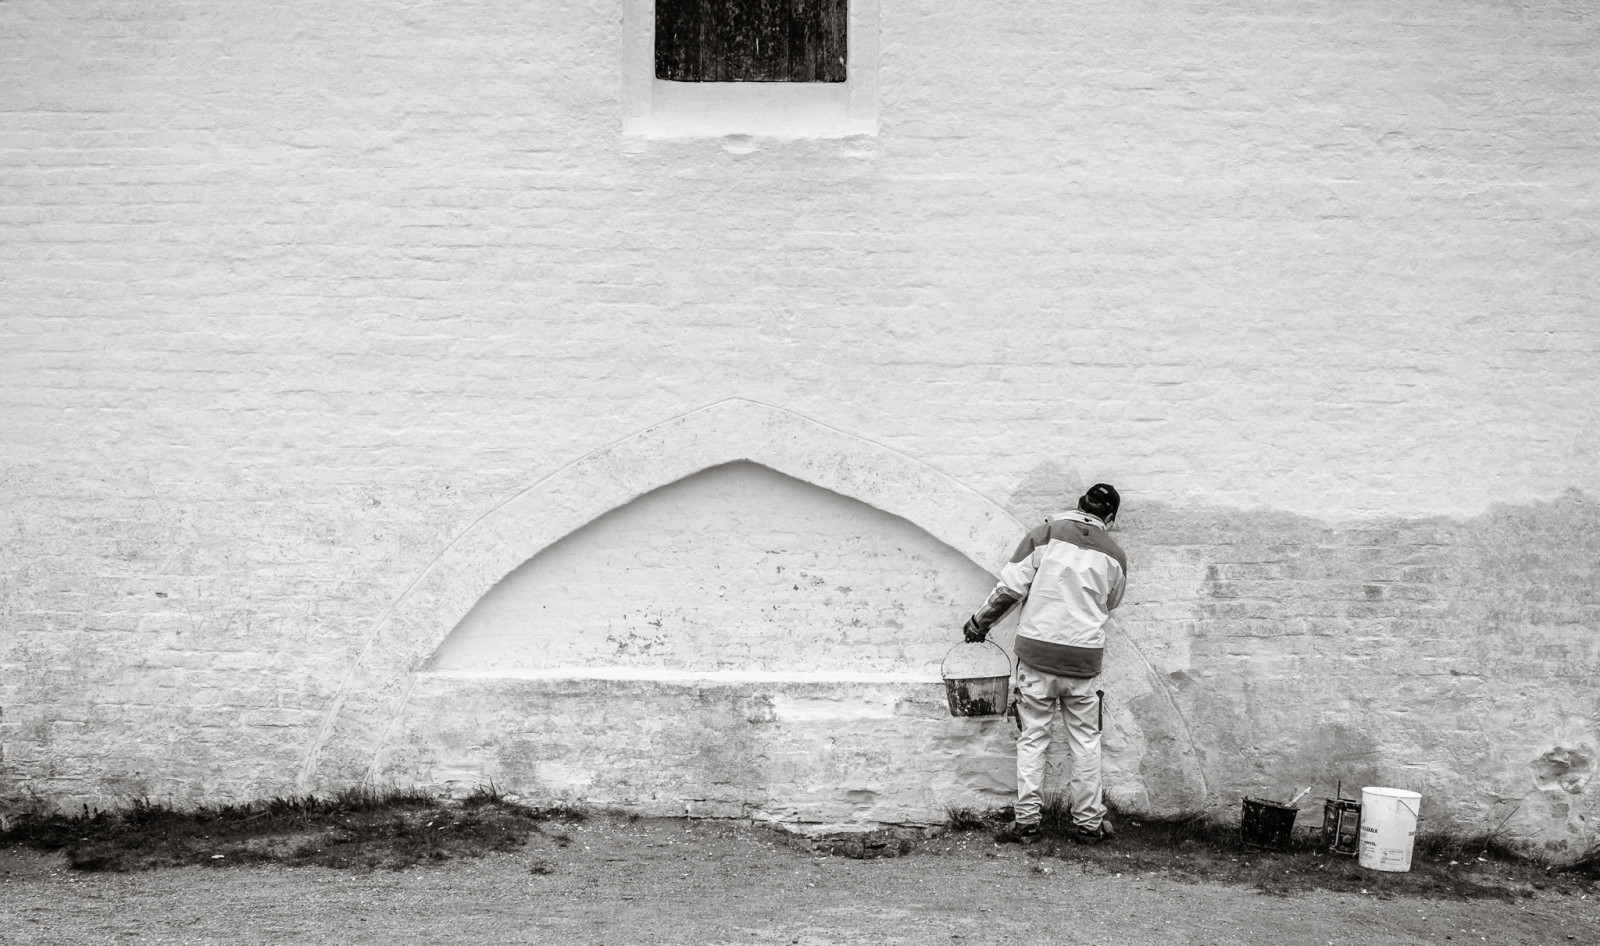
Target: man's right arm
x,y
1000,600
1015,580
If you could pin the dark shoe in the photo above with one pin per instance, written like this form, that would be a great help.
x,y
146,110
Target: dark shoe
x,y
1098,835
1015,833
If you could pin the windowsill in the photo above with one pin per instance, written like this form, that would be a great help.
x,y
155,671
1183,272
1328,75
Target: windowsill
x,y
775,109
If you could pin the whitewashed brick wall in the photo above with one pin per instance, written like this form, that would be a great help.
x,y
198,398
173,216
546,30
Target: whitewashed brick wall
x,y
292,294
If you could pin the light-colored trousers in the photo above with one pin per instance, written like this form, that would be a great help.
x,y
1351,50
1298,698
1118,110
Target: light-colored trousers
x,y
1038,694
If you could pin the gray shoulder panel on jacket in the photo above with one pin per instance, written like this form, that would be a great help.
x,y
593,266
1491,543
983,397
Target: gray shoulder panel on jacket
x,y
1088,537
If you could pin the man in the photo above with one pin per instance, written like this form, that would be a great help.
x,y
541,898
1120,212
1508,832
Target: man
x,y
1069,576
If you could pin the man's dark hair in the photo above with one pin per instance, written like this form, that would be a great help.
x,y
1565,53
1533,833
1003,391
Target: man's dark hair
x,y
1100,500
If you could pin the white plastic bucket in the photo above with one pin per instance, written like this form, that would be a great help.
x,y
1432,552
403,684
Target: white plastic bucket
x,y
1388,828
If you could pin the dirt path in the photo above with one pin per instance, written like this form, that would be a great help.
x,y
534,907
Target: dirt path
x,y
619,882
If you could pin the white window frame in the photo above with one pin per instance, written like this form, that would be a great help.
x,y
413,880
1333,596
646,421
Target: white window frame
x,y
657,108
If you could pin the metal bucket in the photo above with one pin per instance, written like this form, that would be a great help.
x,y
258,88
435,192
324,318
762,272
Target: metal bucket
x,y
972,687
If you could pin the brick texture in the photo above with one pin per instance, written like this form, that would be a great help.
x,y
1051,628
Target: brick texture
x,y
291,295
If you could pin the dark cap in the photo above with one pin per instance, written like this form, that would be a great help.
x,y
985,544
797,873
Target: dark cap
x,y
1100,500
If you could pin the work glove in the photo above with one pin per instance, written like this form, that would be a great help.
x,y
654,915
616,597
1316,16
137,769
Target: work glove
x,y
972,632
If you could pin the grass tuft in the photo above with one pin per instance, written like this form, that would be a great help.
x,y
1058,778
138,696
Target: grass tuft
x,y
483,795
965,819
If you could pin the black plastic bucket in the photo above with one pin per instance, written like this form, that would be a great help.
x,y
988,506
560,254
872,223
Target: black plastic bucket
x,y
1266,824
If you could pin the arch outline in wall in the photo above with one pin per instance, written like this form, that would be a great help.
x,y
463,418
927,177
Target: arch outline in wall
x,y
375,688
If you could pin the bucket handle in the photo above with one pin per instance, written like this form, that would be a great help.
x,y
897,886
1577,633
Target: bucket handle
x,y
1002,650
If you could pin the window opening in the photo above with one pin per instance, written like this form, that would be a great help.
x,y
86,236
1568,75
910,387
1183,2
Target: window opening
x,y
751,40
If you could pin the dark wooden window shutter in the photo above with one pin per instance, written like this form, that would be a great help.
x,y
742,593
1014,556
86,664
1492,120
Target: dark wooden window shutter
x,y
751,40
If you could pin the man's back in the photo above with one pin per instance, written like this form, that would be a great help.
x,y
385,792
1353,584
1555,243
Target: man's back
x,y
1073,574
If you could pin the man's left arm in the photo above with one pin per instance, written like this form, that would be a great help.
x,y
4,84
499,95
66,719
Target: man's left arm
x,y
1117,588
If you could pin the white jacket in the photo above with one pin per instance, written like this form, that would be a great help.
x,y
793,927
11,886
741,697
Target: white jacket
x,y
1069,575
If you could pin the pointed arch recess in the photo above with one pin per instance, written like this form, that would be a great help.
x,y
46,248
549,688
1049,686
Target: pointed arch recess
x,y
376,686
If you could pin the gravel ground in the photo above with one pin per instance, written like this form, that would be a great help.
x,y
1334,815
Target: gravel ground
x,y
614,881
